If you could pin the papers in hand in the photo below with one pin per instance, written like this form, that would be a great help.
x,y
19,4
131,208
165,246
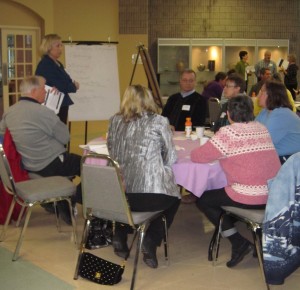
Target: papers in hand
x,y
283,63
53,99
99,148
250,69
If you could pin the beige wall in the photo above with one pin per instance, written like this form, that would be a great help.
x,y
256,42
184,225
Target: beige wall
x,y
89,20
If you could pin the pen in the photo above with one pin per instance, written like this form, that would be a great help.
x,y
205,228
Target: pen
x,y
58,101
47,97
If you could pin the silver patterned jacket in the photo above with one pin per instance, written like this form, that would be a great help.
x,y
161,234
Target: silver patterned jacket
x,y
145,151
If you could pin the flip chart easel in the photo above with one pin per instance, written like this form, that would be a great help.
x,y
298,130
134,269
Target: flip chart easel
x,y
148,67
94,65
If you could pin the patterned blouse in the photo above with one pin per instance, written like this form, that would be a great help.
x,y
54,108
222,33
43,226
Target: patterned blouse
x,y
145,151
248,158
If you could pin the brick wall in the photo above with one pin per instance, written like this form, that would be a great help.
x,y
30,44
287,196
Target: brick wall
x,y
272,19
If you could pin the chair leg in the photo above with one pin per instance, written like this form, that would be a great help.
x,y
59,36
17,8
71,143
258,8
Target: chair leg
x,y
82,246
212,244
73,221
166,242
256,233
218,239
20,215
28,214
141,234
9,214
57,217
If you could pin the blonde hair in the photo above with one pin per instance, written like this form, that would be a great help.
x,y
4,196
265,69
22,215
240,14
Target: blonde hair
x,y
30,83
292,57
47,43
136,100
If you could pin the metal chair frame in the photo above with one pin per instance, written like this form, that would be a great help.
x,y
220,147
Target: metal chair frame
x,y
12,187
139,221
214,109
243,215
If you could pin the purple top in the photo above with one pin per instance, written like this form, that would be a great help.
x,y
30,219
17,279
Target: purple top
x,y
212,90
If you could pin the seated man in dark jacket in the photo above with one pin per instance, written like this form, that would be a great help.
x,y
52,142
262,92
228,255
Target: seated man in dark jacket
x,y
187,103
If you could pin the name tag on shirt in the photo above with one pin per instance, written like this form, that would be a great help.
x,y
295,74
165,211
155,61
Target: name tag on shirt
x,y
223,115
186,108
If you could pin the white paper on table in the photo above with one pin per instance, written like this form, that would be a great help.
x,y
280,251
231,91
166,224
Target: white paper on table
x,y
179,138
99,147
209,133
53,100
177,148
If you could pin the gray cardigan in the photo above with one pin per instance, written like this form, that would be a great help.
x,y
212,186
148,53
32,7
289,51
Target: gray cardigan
x,y
145,151
38,133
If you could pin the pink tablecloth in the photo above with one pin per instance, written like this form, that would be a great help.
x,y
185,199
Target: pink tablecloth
x,y
195,177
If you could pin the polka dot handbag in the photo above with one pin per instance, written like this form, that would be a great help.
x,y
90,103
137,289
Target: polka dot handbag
x,y
99,270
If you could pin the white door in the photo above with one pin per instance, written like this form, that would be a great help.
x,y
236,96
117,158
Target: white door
x,y
18,60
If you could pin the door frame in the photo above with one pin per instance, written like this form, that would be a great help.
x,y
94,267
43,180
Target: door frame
x,y
4,29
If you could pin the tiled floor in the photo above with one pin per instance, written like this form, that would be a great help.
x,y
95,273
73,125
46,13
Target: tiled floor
x,y
189,268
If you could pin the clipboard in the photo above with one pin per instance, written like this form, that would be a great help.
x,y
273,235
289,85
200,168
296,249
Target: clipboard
x,y
53,100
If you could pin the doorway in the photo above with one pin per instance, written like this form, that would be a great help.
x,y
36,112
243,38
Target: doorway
x,y
17,60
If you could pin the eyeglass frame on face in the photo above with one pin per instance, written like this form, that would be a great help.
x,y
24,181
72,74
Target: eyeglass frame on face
x,y
230,86
188,80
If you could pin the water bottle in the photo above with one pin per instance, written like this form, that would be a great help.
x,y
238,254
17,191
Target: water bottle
x,y
188,127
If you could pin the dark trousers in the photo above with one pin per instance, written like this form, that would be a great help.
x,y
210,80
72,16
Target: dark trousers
x,y
291,89
152,202
63,114
210,204
70,166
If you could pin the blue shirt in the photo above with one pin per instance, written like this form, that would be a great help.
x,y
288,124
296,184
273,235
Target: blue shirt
x,y
284,128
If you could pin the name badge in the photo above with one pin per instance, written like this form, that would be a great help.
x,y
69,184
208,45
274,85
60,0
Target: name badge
x,y
186,107
223,115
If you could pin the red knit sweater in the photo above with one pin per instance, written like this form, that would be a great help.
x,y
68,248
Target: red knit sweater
x,y
248,158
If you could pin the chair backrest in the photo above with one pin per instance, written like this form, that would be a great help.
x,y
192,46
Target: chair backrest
x,y
214,109
5,173
103,192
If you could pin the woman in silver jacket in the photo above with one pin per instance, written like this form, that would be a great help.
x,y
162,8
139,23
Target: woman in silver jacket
x,y
141,141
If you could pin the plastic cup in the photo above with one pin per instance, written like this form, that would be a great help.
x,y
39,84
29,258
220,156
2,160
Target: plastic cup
x,y
200,132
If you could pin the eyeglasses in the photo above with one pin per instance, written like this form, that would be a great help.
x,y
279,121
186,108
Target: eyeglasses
x,y
187,81
230,86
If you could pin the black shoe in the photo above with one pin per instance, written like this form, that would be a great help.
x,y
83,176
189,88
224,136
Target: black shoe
x,y
239,254
149,251
120,246
49,207
99,235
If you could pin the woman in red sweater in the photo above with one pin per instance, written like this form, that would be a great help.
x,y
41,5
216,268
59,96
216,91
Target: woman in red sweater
x,y
248,157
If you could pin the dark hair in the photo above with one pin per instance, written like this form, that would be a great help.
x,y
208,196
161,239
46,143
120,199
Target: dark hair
x,y
263,70
277,95
220,76
239,82
187,71
240,109
231,71
242,53
276,77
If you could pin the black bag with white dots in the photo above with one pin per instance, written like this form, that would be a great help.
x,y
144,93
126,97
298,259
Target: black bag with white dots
x,y
99,270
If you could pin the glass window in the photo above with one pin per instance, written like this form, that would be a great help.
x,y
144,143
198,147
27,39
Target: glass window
x,y
19,41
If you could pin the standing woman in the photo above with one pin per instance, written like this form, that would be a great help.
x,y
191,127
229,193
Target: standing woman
x,y
53,71
290,75
140,140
